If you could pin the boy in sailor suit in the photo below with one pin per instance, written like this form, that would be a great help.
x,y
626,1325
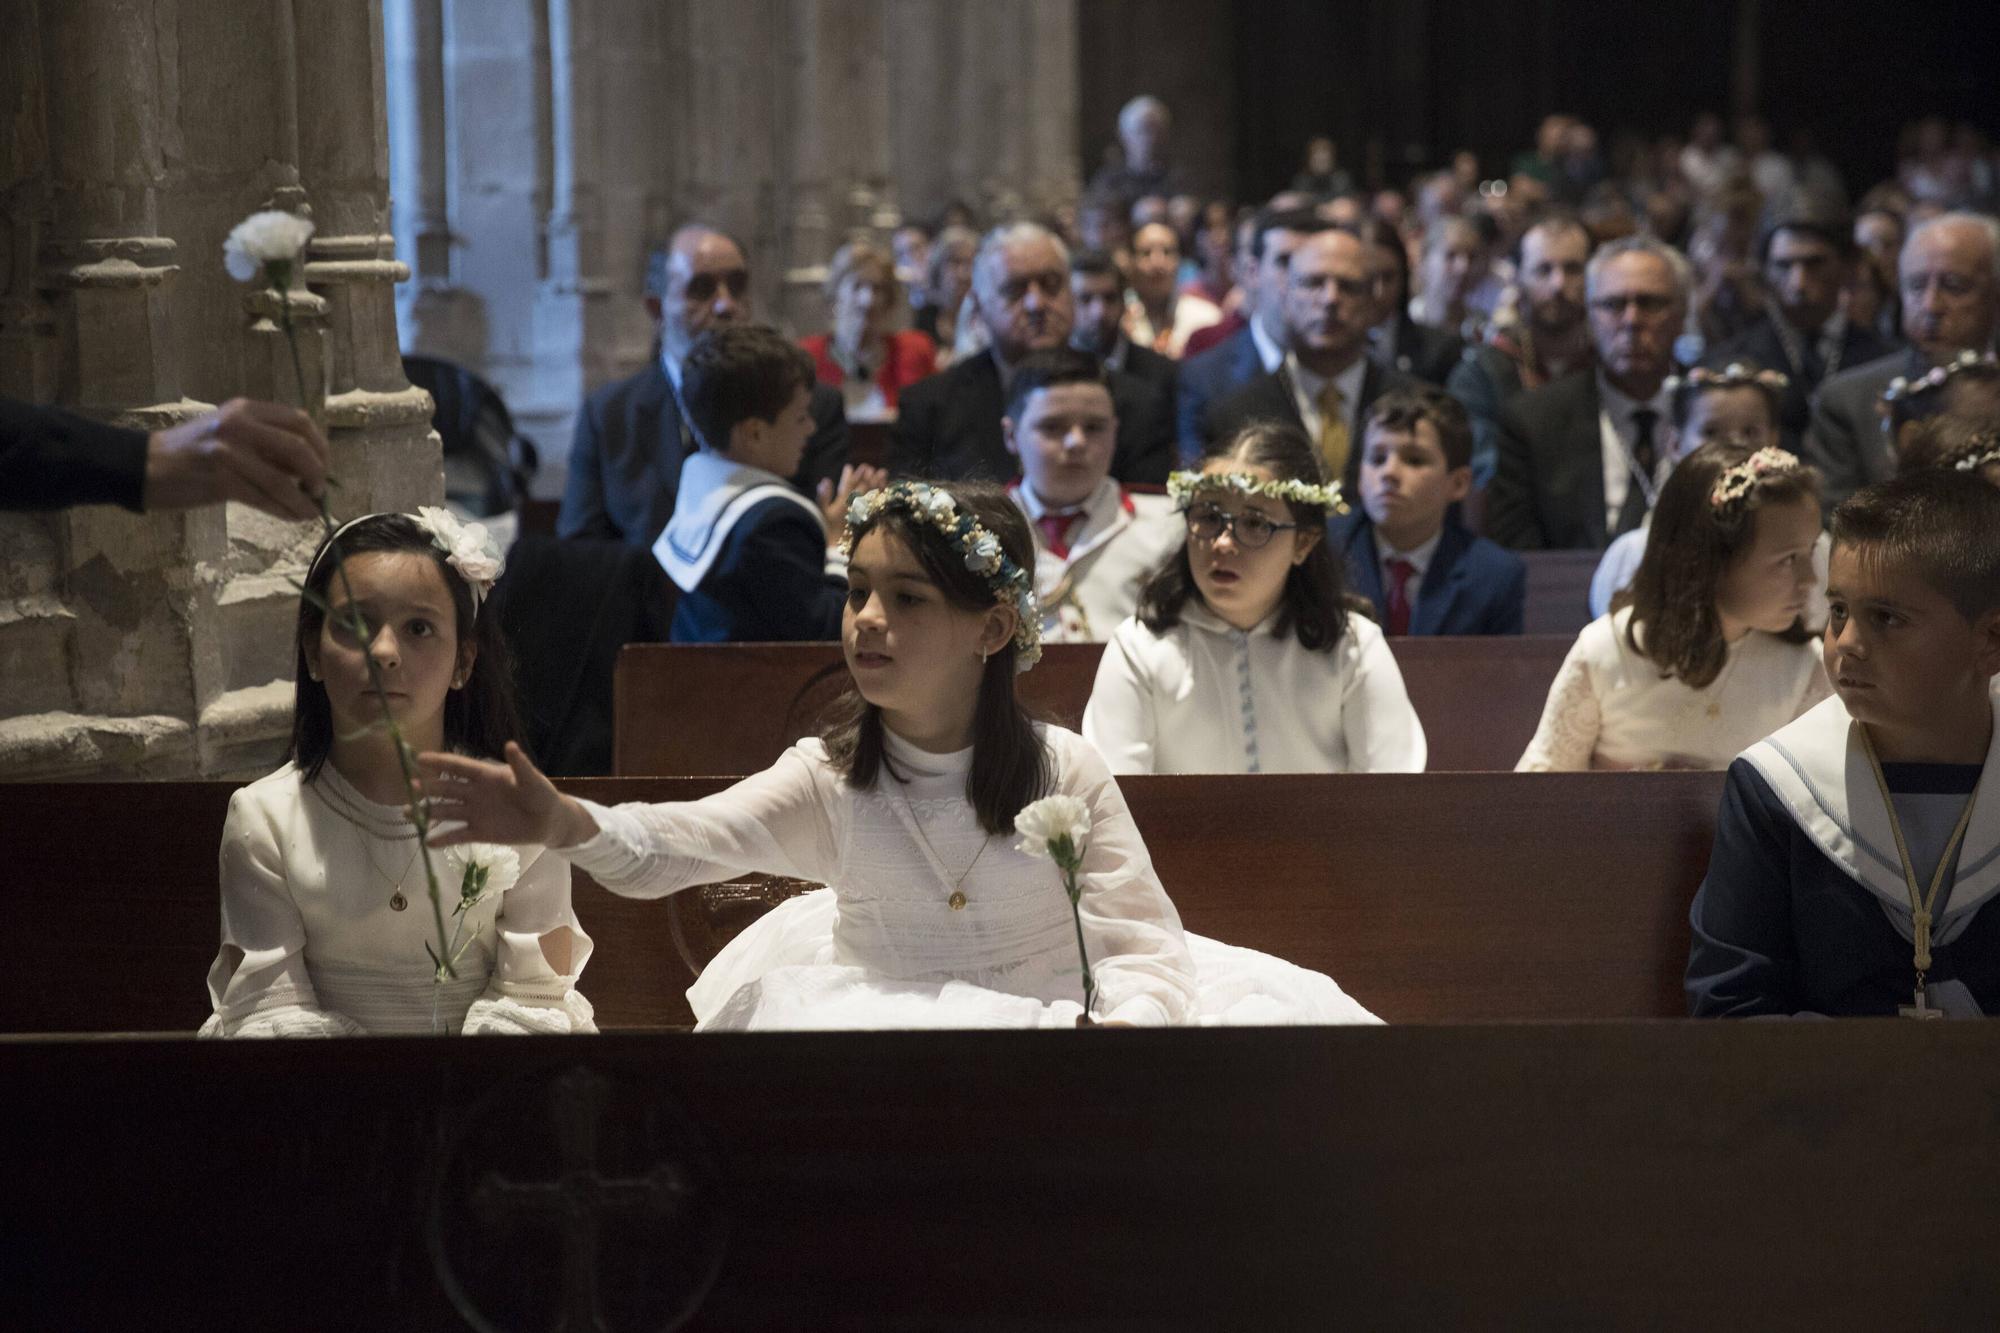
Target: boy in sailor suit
x,y
1858,848
1096,542
755,561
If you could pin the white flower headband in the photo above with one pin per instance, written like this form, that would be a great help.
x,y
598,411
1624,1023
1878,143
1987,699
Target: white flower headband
x,y
1977,452
981,550
1737,482
1735,375
1182,487
1934,378
468,548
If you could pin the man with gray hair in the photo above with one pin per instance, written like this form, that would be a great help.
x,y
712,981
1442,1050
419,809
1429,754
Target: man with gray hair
x,y
1144,125
1582,458
948,426
1949,276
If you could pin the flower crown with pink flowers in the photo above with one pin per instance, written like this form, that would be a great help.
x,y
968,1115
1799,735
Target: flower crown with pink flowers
x,y
1736,483
1735,375
1936,377
1982,449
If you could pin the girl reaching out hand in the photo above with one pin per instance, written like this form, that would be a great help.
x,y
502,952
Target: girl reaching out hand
x,y
905,808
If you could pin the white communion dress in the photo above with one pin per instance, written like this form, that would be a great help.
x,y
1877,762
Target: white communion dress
x,y
930,922
311,945
1611,708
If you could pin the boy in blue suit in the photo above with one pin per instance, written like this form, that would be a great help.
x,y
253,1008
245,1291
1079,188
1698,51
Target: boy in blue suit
x,y
1407,550
754,559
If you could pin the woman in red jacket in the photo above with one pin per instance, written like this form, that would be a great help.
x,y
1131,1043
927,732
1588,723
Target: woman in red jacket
x,y
864,358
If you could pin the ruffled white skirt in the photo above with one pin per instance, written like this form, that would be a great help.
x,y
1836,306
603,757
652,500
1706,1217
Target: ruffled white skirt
x,y
782,973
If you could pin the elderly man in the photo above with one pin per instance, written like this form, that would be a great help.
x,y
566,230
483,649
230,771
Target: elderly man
x,y
1258,348
949,424
1327,380
1802,332
1097,286
1144,126
1581,459
1951,304
1549,339
631,437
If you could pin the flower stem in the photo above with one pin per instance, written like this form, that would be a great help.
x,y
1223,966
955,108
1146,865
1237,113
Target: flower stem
x,y
1082,954
291,334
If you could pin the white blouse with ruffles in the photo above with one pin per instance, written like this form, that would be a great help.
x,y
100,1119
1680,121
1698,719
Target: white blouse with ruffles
x,y
312,947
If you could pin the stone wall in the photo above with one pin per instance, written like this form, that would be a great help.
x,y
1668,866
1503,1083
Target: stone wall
x,y
140,131
546,146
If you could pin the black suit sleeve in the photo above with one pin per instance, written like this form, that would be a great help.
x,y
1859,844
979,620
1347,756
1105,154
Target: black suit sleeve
x,y
771,577
913,442
1145,452
1510,500
583,513
826,451
51,459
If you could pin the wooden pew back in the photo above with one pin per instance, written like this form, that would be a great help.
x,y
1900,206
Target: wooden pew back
x,y
1430,898
723,710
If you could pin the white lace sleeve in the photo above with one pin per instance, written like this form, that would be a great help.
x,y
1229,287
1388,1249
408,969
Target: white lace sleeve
x,y
776,822
1567,736
1382,730
527,993
1119,718
259,985
1139,955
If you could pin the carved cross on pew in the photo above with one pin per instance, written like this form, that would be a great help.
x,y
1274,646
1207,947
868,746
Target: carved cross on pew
x,y
579,1198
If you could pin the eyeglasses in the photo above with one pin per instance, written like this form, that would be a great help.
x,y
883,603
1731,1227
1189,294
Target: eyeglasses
x,y
702,287
1647,303
1252,529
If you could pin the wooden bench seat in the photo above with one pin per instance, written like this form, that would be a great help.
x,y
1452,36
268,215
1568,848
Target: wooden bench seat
x,y
1431,898
723,710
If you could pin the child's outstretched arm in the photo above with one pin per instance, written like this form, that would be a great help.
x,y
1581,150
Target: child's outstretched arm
x,y
512,803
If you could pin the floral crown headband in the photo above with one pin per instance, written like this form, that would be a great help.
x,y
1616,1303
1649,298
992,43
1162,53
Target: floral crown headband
x,y
468,548
1736,483
935,507
1735,375
1936,377
1975,453
1184,486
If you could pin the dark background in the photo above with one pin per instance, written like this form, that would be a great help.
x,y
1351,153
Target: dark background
x,y
1403,83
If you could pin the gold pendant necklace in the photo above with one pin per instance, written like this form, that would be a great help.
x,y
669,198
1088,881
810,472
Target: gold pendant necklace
x,y
957,900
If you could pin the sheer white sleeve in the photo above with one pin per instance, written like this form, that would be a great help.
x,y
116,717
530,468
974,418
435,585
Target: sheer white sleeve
x,y
1566,738
1381,728
776,822
1119,718
259,986
528,992
1138,953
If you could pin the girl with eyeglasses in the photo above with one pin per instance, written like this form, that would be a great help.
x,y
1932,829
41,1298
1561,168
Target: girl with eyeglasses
x,y
1244,657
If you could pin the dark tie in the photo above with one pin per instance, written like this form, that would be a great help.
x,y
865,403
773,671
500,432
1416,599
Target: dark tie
x,y
1055,531
1645,457
1400,573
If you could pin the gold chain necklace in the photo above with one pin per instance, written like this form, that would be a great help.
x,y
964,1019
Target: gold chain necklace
x,y
1920,903
359,822
957,900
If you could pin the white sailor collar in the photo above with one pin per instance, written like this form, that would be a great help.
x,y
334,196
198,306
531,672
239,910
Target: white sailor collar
x,y
1818,768
715,493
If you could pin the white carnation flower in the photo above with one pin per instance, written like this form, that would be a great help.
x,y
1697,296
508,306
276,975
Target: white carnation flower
x,y
1050,820
264,238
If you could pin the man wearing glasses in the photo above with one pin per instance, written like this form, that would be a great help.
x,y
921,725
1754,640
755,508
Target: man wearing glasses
x,y
631,437
1581,458
1951,304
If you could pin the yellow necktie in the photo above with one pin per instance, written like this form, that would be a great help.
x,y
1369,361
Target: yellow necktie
x,y
1333,441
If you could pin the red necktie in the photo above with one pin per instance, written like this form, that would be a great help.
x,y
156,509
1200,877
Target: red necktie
x,y
1055,531
1399,595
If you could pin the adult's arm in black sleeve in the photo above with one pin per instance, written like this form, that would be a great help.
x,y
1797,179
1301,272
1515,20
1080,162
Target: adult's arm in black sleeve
x,y
51,459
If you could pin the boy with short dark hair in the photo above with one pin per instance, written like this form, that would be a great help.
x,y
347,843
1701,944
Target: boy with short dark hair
x,y
1857,847
754,560
1406,548
1095,541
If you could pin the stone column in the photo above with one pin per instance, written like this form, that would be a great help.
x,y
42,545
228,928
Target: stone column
x,y
437,317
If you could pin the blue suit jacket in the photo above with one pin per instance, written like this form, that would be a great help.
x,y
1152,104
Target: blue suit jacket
x,y
1473,586
1207,379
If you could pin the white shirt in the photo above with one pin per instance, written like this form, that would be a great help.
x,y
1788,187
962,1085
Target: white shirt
x,y
1190,313
1419,558
1618,434
1307,388
1611,708
1117,543
1204,697
1268,350
312,947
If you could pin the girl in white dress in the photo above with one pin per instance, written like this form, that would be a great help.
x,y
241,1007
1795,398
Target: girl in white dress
x,y
1708,652
327,924
1243,657
934,915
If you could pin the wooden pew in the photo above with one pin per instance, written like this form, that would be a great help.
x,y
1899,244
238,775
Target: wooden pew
x,y
723,710
1431,898
1686,1175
